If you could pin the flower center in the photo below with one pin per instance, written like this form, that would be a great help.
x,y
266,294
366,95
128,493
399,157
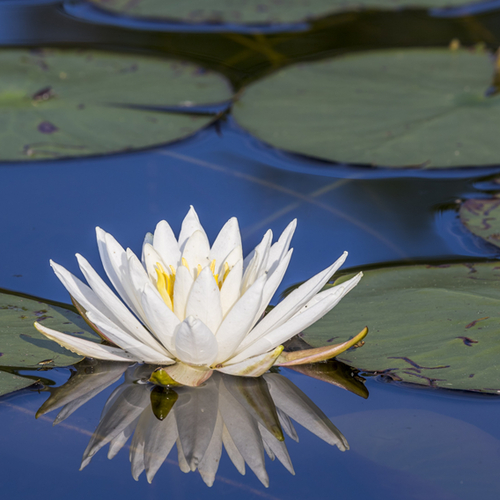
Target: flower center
x,y
166,279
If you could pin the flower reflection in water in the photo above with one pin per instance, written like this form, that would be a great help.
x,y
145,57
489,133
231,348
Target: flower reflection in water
x,y
249,416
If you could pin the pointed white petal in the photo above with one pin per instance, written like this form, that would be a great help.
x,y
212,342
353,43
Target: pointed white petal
x,y
182,288
204,300
148,240
258,265
233,257
162,320
254,366
119,441
151,259
228,238
166,244
196,252
190,224
297,323
291,400
232,451
81,293
280,248
126,320
86,347
292,304
195,343
138,279
114,261
181,459
135,347
239,321
230,290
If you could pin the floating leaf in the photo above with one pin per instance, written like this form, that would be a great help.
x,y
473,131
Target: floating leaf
x,y
20,343
423,108
482,218
10,383
58,103
255,11
436,326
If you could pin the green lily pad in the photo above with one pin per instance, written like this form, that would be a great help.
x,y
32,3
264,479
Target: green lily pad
x,y
482,218
10,383
22,346
256,11
59,103
435,326
424,108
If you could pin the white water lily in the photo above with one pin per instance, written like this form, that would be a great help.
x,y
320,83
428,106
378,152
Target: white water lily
x,y
192,308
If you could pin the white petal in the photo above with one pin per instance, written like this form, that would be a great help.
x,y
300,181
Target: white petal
x,y
127,320
230,289
196,252
280,248
239,321
119,441
254,366
228,238
194,343
204,300
151,259
232,451
114,261
162,320
166,244
287,425
86,347
272,284
292,304
291,400
135,347
148,240
190,224
258,265
298,323
181,459
182,287
233,257
138,279
83,294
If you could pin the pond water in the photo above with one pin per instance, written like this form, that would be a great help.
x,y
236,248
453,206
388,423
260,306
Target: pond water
x,y
405,442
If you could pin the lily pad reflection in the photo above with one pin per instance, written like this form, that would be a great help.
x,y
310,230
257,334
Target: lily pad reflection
x,y
246,416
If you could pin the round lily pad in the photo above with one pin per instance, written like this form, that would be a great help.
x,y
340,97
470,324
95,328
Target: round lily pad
x,y
482,218
422,108
10,383
59,103
22,346
435,326
255,11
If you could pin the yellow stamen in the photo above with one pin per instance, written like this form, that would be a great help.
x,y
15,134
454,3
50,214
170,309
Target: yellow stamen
x,y
185,263
163,284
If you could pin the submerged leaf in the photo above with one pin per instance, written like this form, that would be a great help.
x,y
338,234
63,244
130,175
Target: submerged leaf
x,y
482,218
435,326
